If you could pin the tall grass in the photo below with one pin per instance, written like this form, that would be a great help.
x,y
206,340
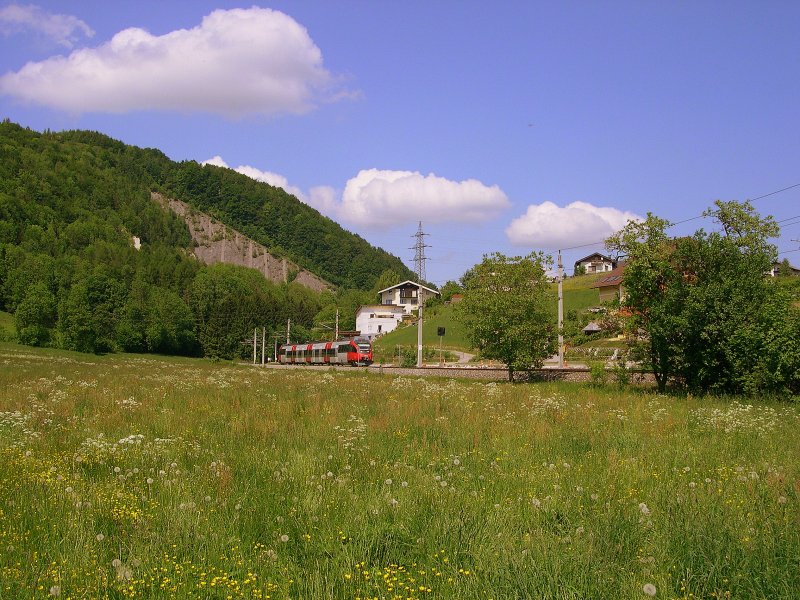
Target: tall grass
x,y
132,476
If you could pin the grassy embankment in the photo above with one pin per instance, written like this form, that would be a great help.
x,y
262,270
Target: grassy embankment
x,y
577,296
7,328
143,477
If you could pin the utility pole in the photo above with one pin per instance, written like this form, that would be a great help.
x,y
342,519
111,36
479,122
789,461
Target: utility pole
x,y
419,330
336,333
288,328
263,344
560,312
419,267
255,333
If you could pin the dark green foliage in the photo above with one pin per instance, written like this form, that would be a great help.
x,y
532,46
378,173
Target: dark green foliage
x,y
713,322
450,288
35,316
70,205
505,308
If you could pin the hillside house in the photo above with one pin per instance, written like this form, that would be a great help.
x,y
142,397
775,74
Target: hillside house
x,y
373,320
407,294
610,286
776,269
595,263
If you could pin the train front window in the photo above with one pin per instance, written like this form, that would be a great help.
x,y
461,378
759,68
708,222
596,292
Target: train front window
x,y
363,347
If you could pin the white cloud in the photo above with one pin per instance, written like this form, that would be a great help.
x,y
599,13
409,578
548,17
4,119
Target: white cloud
x,y
547,225
236,62
381,199
64,30
376,199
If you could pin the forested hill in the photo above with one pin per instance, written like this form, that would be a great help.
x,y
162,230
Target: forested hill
x,y
83,184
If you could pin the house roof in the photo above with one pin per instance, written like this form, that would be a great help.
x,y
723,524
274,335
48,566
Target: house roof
x,y
612,279
410,283
592,326
595,254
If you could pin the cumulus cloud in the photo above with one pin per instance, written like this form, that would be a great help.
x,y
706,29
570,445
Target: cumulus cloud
x,y
236,62
547,225
376,199
64,30
380,199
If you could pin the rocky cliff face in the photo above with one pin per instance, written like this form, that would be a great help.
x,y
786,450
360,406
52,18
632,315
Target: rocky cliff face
x,y
218,243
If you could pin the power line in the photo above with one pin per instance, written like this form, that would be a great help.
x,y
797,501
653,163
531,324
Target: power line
x,y
698,217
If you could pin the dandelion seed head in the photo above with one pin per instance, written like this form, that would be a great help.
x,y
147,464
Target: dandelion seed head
x,y
100,537
55,590
116,563
649,589
284,538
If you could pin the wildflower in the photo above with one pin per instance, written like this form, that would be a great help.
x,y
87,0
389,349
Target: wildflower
x,y
284,538
100,537
388,482
55,590
117,469
456,461
404,483
149,481
649,589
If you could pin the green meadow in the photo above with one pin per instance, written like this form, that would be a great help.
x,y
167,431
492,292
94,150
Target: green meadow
x,y
127,476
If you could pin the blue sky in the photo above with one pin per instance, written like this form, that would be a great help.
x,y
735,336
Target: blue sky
x,y
510,126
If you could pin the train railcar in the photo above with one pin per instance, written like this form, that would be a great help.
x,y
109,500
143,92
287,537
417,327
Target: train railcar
x,y
355,353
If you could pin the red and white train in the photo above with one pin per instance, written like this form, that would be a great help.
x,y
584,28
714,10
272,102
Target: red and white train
x,y
355,353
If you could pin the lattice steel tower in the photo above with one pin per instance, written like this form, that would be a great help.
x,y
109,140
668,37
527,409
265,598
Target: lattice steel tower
x,y
419,253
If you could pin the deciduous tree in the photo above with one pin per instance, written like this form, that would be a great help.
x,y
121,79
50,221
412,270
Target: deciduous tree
x,y
505,310
701,307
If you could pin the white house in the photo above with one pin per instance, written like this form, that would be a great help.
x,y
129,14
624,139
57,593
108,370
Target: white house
x,y
595,263
408,295
376,319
